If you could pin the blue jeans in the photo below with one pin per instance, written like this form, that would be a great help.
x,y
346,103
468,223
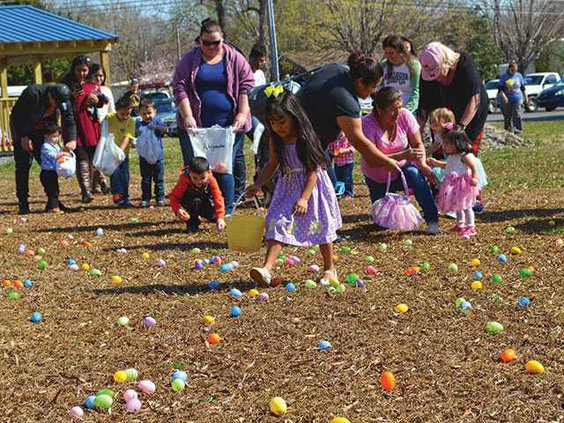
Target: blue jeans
x,y
345,174
119,181
226,181
417,182
150,173
330,170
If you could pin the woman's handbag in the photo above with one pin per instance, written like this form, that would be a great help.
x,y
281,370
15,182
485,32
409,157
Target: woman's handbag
x,y
395,211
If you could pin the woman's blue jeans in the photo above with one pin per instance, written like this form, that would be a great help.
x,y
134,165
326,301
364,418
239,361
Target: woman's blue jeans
x,y
418,184
226,181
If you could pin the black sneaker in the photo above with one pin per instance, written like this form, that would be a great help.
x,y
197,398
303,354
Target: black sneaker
x,y
192,229
23,207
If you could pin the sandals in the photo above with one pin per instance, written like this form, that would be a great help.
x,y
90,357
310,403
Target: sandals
x,y
328,276
261,276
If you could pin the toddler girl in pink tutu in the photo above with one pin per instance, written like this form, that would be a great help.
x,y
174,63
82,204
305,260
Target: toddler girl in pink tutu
x,y
461,183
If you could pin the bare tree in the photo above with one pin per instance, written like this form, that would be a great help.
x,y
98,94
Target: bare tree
x,y
523,28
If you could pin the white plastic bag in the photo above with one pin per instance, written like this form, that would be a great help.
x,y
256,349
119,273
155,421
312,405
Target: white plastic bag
x,y
66,167
108,156
215,144
259,130
148,146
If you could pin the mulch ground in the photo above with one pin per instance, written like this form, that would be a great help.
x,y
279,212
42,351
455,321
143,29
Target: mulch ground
x,y
446,365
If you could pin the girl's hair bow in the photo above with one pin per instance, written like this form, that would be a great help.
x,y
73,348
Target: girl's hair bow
x,y
274,90
449,126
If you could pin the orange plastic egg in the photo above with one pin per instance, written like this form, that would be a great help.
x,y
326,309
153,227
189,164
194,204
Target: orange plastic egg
x,y
388,381
213,338
87,244
508,355
6,283
17,284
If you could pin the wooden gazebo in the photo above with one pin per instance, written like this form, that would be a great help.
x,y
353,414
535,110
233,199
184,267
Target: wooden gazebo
x,y
30,35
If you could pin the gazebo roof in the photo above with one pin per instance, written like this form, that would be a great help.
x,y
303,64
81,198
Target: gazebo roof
x,y
28,32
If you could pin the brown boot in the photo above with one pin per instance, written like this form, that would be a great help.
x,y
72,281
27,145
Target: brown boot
x,y
101,179
83,176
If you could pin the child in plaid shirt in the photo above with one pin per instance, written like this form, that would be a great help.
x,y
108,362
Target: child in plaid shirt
x,y
343,152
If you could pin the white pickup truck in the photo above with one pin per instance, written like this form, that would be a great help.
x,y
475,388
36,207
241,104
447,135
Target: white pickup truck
x,y
535,83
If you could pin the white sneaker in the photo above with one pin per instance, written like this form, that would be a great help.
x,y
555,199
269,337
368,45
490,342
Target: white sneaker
x,y
261,276
433,229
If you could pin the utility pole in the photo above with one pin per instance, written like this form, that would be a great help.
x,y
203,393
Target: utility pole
x,y
273,44
178,54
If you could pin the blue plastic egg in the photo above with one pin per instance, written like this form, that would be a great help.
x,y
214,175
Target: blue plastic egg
x,y
214,284
198,265
206,261
324,345
71,261
224,268
235,311
89,402
28,283
523,302
465,306
501,258
179,374
290,287
234,292
477,275
36,317
99,232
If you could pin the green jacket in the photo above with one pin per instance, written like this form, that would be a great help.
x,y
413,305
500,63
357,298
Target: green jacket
x,y
413,102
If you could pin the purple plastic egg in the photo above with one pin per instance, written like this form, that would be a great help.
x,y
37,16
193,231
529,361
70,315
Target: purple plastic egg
x,y
149,321
263,296
161,263
73,267
314,268
77,412
198,265
147,387
133,405
129,395
359,283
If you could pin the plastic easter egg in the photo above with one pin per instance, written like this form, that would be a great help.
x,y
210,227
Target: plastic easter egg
x,y
121,251
179,374
120,376
36,317
235,264
459,301
96,272
523,302
147,387
475,262
359,283
214,338
198,265
134,220
6,283
497,279
41,251
345,250
453,267
145,255
21,249
29,253
37,258
9,231
401,308
214,284
494,327
235,293
387,381
477,275
64,243
501,258
515,250
534,367
70,261
43,264
275,281
290,287
103,401
224,268
209,320
340,289
149,322
133,405
310,251
160,263
196,250
476,285
465,306
425,265
510,230
508,355
89,402
206,261
525,272
310,284
253,292
132,374
494,249
559,242
370,259
314,268
278,406
117,279
178,385
235,311
27,283
383,247
408,243
262,297
77,412
339,420
370,270
87,244
105,391
129,395
324,345
351,278
17,284
13,295
99,232
85,266
73,267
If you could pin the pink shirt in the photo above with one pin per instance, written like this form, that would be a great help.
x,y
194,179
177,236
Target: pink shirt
x,y
406,126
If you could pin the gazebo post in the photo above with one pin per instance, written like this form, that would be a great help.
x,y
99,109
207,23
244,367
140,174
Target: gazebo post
x,y
37,74
4,78
105,62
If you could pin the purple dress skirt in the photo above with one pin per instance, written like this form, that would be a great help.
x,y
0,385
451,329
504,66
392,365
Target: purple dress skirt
x,y
323,218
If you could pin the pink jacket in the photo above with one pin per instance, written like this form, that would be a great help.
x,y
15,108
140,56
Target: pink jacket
x,y
239,80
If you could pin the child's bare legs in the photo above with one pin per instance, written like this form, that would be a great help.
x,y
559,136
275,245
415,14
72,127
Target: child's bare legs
x,y
328,265
272,252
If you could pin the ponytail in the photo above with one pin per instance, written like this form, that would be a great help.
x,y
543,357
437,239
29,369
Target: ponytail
x,y
365,68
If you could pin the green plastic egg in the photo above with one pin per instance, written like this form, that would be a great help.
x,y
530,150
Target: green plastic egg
x,y
41,251
408,243
310,251
196,250
42,264
497,279
425,265
95,272
345,250
525,272
103,401
310,284
510,230
316,247
352,278
459,301
494,327
13,295
340,289
131,374
453,267
123,320
106,391
134,220
494,249
383,246
178,385
370,259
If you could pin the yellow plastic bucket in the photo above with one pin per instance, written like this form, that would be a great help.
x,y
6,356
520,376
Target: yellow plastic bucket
x,y
245,232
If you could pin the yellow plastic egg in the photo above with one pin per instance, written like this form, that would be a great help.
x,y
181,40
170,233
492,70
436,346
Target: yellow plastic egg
x,y
476,285
85,266
334,282
117,279
475,262
401,308
340,420
145,256
253,292
535,367
515,250
278,406
209,320
120,376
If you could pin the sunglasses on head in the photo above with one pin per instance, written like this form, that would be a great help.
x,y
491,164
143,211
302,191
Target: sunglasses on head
x,y
211,43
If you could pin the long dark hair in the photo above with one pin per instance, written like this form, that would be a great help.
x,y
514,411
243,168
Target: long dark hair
x,y
93,69
365,68
308,145
70,78
459,139
397,43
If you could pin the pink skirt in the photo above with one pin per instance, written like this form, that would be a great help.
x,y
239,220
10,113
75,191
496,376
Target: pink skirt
x,y
456,193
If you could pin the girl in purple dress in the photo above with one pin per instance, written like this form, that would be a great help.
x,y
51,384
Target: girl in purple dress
x,y
304,209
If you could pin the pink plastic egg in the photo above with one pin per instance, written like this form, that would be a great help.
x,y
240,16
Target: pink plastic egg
x,y
73,267
263,296
133,405
147,387
161,263
370,270
314,268
77,412
64,243
129,395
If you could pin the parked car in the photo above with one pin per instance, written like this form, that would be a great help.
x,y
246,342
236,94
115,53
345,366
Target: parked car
x,y
492,90
552,97
166,110
535,83
156,95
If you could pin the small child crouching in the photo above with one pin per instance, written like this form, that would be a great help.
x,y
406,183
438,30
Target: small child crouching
x,y
197,194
